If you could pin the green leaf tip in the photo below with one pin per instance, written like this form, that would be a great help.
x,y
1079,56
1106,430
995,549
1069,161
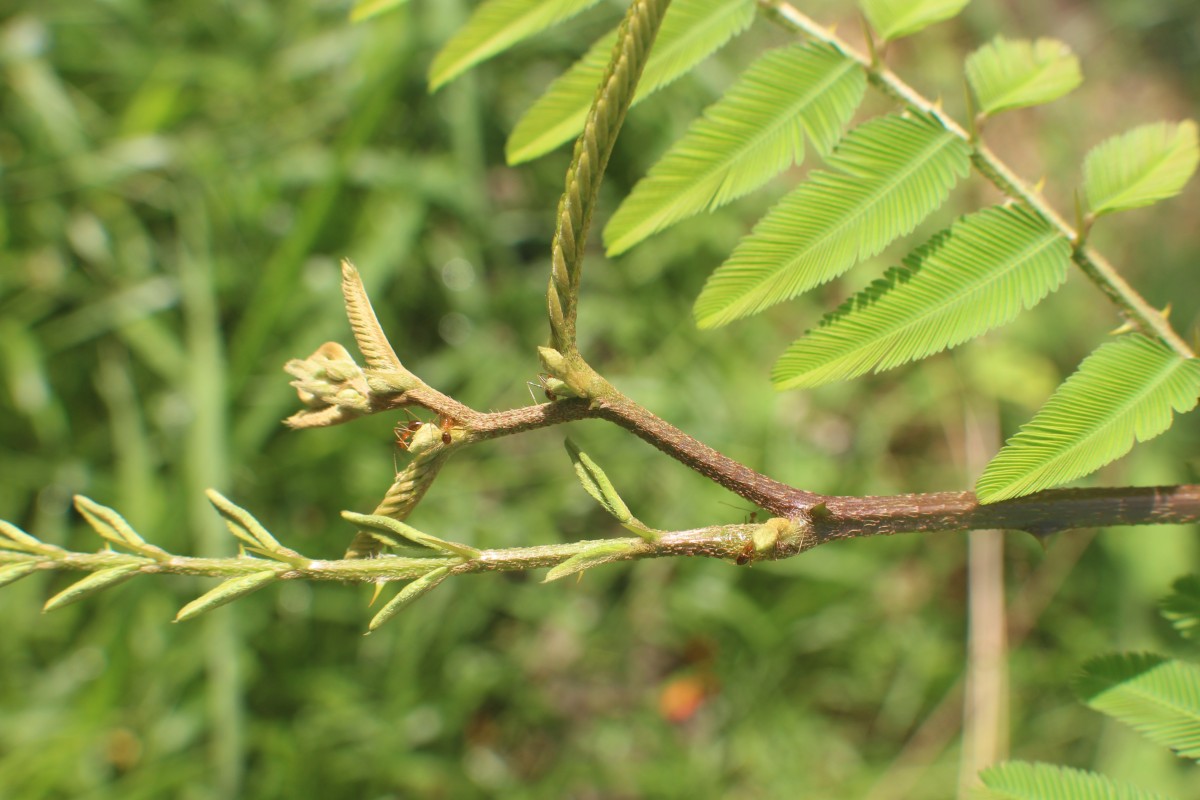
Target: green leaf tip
x,y
1157,696
18,539
113,527
495,26
755,131
980,274
244,526
11,573
366,9
603,553
411,592
691,31
895,19
892,172
1141,167
1016,73
1125,391
96,582
1019,780
226,592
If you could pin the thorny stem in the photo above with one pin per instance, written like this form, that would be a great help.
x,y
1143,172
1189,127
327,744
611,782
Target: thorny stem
x,y
1099,271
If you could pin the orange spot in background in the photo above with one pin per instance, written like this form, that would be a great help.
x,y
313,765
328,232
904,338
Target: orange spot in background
x,y
680,698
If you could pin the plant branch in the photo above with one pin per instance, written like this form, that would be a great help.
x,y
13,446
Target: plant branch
x,y
1099,271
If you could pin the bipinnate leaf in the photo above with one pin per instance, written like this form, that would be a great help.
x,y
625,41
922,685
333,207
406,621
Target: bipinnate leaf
x,y
1182,606
754,132
892,173
1019,780
1015,73
365,9
412,591
894,19
603,553
495,26
96,582
691,31
226,592
1158,697
1123,392
1143,166
981,273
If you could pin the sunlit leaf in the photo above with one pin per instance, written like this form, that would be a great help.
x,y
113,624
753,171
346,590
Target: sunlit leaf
x,y
603,553
495,26
96,582
1008,73
691,31
1158,697
412,591
893,19
1018,780
892,172
980,274
1141,167
755,131
1124,392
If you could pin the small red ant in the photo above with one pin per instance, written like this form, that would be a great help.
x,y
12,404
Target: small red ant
x,y
446,423
747,553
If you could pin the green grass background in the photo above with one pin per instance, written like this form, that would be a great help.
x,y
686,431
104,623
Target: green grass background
x,y
177,184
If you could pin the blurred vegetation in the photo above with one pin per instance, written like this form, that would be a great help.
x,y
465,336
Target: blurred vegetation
x,y
178,181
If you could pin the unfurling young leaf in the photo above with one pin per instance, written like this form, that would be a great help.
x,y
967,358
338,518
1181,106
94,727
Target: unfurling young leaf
x,y
1182,606
597,484
1015,73
986,269
243,525
495,26
1125,391
11,573
1141,167
411,592
96,582
113,527
1158,697
603,553
895,19
892,173
754,132
388,525
226,592
691,31
1018,780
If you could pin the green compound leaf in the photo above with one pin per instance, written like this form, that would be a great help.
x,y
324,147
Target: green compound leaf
x,y
96,582
226,592
495,26
1141,167
895,19
1124,391
593,557
691,31
1158,697
893,172
365,9
406,596
754,132
980,274
1018,780
1182,606
1015,73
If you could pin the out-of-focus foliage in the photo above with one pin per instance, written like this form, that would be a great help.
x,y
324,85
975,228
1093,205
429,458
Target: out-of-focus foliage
x,y
178,183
